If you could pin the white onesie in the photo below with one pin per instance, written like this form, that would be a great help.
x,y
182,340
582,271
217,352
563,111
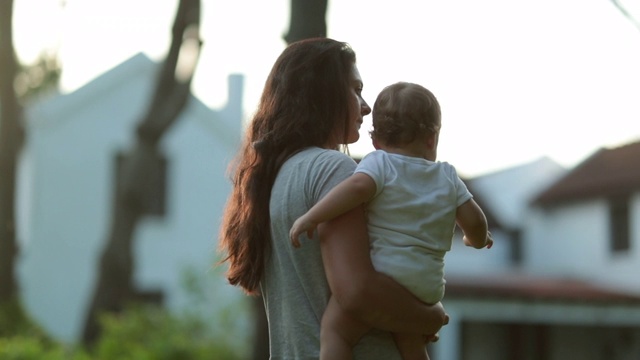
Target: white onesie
x,y
412,219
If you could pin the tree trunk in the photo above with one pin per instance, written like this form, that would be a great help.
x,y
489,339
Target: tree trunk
x,y
136,184
11,140
308,20
260,330
626,13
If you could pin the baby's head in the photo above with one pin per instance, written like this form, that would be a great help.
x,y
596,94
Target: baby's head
x,y
402,112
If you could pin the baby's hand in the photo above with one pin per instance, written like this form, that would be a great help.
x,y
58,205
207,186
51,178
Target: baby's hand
x,y
466,241
299,226
489,242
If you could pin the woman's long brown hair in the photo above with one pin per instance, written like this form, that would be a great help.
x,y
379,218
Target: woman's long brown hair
x,y
304,101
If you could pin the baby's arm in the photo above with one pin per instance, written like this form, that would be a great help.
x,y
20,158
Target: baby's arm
x,y
473,223
350,193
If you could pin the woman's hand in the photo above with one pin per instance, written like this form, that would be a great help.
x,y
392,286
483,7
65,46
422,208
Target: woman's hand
x,y
374,298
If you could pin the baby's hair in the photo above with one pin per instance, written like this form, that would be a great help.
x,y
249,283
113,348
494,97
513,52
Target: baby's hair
x,y
403,111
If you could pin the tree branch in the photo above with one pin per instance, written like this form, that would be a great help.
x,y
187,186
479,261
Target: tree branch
x,y
626,13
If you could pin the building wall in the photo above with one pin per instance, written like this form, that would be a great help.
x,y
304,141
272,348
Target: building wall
x,y
494,327
464,259
567,241
185,238
71,162
622,269
65,204
573,240
505,341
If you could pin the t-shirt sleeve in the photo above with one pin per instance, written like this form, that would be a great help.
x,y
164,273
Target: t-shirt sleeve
x,y
328,170
463,193
373,165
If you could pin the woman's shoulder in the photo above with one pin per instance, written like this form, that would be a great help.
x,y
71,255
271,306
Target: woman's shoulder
x,y
316,170
318,156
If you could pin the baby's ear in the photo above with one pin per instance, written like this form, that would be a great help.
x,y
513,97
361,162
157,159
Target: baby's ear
x,y
375,144
432,140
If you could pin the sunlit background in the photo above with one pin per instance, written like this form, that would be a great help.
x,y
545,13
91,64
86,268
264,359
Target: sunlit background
x,y
531,91
517,80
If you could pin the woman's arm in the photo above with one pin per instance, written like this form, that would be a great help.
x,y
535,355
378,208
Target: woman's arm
x,y
372,297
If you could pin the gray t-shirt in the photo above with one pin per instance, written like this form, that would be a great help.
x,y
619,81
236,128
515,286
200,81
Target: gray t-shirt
x,y
294,286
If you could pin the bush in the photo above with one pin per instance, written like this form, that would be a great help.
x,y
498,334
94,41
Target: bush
x,y
14,321
139,333
151,333
142,332
32,348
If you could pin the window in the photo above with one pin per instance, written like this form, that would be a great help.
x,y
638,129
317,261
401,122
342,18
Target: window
x,y
619,224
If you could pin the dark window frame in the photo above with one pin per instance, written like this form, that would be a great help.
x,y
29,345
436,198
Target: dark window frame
x,y
620,224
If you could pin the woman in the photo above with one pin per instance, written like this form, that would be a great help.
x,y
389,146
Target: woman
x,y
311,104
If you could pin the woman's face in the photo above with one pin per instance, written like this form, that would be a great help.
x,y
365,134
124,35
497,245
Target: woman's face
x,y
358,108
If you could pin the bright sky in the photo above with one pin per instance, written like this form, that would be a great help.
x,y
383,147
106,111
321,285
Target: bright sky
x,y
516,79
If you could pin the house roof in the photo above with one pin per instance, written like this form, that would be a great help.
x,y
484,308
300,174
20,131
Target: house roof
x,y
608,172
130,85
524,287
506,194
62,106
492,220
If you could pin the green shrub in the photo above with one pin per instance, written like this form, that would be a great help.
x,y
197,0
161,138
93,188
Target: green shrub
x,y
32,348
151,333
14,321
142,332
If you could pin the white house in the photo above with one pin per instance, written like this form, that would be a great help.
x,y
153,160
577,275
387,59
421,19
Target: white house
x,y
504,197
560,283
571,288
594,211
66,186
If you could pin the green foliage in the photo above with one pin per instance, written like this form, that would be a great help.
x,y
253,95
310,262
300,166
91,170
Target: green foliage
x,y
32,348
142,332
38,78
231,321
152,333
22,339
14,321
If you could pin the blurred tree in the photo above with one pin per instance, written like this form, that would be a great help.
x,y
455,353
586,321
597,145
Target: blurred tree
x,y
626,13
11,140
308,20
39,78
139,182
18,83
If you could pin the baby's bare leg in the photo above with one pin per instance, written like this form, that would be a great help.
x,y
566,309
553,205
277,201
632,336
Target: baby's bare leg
x,y
339,333
411,346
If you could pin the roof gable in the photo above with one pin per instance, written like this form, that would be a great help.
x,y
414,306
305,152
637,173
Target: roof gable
x,y
137,68
608,172
124,92
506,194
